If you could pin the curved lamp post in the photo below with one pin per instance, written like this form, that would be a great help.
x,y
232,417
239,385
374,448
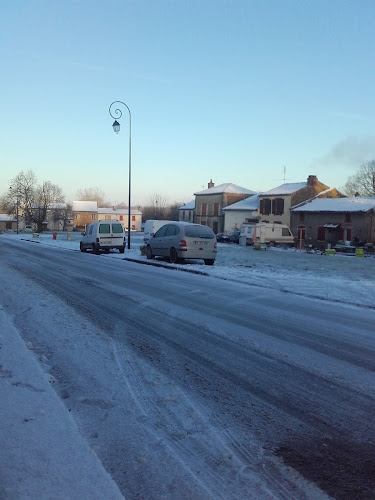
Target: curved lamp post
x,y
116,113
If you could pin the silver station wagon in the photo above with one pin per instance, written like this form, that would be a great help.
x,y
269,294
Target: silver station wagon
x,y
182,240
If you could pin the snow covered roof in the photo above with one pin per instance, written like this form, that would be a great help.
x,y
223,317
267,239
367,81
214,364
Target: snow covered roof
x,y
57,206
7,218
226,188
85,206
354,204
287,188
251,203
188,206
117,211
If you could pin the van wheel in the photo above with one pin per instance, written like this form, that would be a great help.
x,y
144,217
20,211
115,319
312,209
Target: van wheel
x,y
149,253
122,249
209,262
173,257
95,249
82,248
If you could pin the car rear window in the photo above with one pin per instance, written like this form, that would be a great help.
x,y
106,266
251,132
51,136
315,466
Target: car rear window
x,y
199,232
104,228
117,228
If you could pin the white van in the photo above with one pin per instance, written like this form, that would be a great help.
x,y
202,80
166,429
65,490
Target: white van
x,y
151,226
103,235
265,232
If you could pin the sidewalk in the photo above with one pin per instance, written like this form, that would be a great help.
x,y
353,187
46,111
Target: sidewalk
x,y
42,453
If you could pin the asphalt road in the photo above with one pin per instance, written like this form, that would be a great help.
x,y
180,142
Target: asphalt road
x,y
217,390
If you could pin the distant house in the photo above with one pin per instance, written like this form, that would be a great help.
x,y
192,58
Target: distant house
x,y
8,222
209,203
121,214
186,212
275,204
327,221
84,212
246,210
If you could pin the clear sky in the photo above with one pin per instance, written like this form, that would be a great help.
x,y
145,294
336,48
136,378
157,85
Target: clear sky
x,y
222,89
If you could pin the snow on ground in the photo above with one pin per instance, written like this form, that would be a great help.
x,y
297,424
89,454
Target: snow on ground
x,y
36,416
341,278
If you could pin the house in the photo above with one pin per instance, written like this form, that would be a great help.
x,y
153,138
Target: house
x,y
209,203
186,212
275,204
122,214
326,221
84,212
243,211
8,223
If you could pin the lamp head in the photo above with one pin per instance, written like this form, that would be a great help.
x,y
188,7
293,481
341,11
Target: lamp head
x,y
116,126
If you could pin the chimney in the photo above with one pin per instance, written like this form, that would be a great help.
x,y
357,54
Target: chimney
x,y
211,184
312,180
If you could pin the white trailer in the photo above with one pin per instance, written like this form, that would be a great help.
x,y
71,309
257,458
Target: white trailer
x,y
264,232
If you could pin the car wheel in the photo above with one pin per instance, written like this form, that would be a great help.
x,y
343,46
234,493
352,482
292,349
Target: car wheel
x,y
173,257
149,253
95,249
82,248
209,262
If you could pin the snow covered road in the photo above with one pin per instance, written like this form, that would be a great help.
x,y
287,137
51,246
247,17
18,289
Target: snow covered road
x,y
188,386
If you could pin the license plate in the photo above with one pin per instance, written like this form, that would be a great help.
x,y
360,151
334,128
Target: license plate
x,y
105,242
202,243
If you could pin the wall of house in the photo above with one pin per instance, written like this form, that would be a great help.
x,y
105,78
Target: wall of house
x,y
357,226
186,215
233,219
215,222
82,219
281,219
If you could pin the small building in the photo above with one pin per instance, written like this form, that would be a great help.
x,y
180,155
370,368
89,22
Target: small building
x,y
186,212
121,214
244,211
84,212
322,222
209,203
275,204
8,223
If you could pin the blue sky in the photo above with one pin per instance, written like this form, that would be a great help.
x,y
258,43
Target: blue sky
x,y
221,89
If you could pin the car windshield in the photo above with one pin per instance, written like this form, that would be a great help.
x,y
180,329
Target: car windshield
x,y
199,232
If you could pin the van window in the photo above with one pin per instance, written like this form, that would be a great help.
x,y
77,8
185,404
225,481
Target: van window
x,y
117,228
286,232
104,228
90,230
199,232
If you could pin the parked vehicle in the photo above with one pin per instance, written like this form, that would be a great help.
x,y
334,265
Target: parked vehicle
x,y
103,235
264,232
183,240
222,238
151,226
235,236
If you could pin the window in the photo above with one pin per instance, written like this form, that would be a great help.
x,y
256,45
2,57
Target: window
x,y
285,231
117,228
90,230
215,226
321,234
301,217
104,228
75,216
133,218
199,232
107,217
121,217
183,215
278,206
216,209
93,216
204,208
161,232
348,217
265,206
189,215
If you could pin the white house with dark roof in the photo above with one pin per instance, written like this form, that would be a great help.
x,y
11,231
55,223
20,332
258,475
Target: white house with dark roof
x,y
326,221
122,215
243,211
210,202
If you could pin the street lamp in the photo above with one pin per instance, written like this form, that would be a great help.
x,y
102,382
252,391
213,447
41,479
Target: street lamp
x,y
17,203
117,113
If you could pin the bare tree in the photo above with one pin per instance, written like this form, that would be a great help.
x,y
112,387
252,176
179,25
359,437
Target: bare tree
x,y
21,192
363,182
156,208
93,194
46,196
174,210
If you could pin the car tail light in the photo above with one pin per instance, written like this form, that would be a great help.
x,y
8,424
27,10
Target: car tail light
x,y
182,243
215,246
97,240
